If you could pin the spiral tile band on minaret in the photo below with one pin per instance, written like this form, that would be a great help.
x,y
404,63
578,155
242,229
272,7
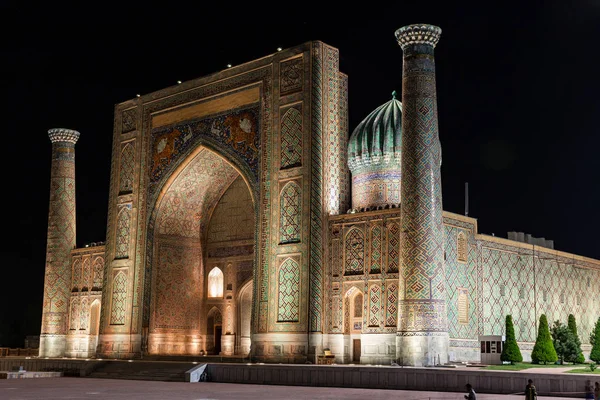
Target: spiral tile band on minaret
x,y
422,337
61,240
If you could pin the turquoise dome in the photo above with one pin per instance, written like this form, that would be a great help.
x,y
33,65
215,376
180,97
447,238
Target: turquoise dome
x,y
374,157
378,138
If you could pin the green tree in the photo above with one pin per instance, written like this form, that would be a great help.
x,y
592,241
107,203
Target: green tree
x,y
543,351
595,341
565,343
580,359
511,351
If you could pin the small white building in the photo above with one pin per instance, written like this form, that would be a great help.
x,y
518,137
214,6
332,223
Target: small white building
x,y
491,349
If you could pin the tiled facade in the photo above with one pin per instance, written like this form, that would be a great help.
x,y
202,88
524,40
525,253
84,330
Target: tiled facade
x,y
228,232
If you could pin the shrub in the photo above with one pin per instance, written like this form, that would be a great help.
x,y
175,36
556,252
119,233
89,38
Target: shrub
x,y
593,366
580,359
543,351
566,344
595,340
511,351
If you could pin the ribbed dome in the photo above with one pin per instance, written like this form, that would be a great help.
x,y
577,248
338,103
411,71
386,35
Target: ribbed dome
x,y
378,138
374,157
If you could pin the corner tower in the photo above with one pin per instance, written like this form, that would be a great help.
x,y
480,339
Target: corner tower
x,y
422,337
374,158
61,240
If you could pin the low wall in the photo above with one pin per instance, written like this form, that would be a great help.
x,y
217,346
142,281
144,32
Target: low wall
x,y
67,367
407,378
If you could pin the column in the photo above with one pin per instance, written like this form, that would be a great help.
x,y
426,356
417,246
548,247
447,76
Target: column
x,y
61,240
422,337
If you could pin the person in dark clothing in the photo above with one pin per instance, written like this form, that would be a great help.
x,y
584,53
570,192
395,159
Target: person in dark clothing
x,y
470,392
530,391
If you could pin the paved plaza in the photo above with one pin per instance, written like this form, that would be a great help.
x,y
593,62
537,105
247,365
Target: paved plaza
x,y
89,388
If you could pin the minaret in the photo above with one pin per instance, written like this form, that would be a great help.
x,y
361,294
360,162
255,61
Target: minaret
x,y
61,240
422,327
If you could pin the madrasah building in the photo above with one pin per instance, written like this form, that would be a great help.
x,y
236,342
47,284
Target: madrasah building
x,y
244,220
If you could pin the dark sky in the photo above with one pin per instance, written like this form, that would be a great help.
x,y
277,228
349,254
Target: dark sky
x,y
517,87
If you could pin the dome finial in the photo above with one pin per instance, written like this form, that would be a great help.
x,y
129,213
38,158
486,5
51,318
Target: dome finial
x,y
394,94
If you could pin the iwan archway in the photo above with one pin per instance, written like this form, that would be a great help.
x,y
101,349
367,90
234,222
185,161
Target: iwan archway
x,y
203,235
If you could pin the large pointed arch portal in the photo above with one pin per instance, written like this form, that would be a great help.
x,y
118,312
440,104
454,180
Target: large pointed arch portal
x,y
202,236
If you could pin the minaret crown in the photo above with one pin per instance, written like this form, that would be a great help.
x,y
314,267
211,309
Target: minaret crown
x,y
418,34
63,135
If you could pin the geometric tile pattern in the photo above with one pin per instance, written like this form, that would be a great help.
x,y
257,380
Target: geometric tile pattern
x,y
354,252
393,247
233,217
85,274
290,210
316,184
291,137
123,231
460,276
376,249
74,324
343,129
61,236
374,304
127,168
192,194
422,240
290,76
289,292
375,187
119,298
84,314
76,275
98,273
553,285
461,247
333,137
128,120
391,311
178,287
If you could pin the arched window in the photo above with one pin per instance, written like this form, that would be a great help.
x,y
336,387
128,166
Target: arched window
x,y
95,318
358,305
215,283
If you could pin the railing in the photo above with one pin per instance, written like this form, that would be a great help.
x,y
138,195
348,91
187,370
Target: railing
x,y
18,352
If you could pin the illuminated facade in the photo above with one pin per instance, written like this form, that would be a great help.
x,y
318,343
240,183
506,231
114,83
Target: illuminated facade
x,y
233,229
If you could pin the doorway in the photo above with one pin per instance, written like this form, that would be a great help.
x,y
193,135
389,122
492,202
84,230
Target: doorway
x,y
218,332
356,351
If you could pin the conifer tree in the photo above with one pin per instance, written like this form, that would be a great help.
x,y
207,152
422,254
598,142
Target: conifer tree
x,y
543,351
566,345
511,351
580,359
595,341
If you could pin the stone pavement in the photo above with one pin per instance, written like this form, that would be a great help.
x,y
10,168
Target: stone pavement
x,y
108,389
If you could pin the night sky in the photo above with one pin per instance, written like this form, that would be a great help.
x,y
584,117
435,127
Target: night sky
x,y
517,97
